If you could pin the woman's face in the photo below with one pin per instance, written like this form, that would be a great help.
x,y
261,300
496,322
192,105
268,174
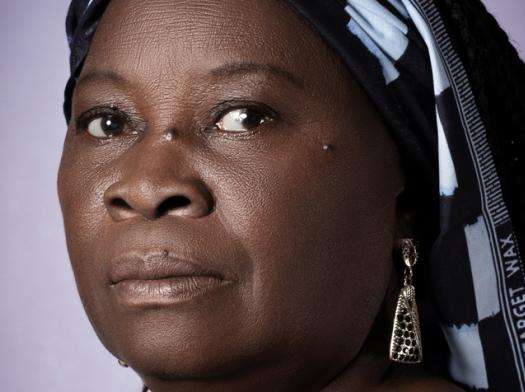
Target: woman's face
x,y
219,112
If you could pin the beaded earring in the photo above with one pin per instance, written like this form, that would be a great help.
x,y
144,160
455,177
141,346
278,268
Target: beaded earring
x,y
405,343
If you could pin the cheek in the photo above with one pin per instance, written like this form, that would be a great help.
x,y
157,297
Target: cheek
x,y
81,185
317,226
85,173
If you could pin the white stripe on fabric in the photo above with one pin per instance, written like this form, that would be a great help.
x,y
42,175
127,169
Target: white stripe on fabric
x,y
448,182
382,33
377,20
467,362
439,75
482,267
390,72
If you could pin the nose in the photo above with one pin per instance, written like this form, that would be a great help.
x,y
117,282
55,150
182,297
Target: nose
x,y
153,189
128,199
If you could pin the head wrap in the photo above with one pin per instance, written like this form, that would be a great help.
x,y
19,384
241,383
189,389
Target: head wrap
x,y
403,56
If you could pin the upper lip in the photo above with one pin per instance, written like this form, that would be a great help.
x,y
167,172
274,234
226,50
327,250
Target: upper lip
x,y
156,265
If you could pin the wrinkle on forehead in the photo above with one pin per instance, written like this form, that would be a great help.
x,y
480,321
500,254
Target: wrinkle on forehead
x,y
204,35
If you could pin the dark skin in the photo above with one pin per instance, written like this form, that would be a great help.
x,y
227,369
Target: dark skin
x,y
298,206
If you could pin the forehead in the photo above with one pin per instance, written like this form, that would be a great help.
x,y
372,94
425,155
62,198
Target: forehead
x,y
155,39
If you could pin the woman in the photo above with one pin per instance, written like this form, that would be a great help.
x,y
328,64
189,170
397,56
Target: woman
x,y
243,183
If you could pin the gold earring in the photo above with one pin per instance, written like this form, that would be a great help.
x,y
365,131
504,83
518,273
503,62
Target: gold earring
x,y
405,343
122,363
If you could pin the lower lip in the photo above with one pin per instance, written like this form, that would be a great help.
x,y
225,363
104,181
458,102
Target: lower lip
x,y
166,291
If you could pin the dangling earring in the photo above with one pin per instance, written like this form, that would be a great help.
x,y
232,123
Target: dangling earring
x,y
405,343
122,363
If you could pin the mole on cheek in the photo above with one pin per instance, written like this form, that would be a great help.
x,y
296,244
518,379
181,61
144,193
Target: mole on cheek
x,y
168,135
328,147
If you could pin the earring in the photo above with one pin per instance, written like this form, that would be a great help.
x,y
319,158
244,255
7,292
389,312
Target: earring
x,y
405,343
122,363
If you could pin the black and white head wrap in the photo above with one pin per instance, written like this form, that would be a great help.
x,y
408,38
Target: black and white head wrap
x,y
403,56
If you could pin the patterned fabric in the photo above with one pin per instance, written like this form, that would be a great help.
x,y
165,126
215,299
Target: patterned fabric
x,y
403,56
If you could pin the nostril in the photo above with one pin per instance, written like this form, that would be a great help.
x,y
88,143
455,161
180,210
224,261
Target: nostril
x,y
120,209
121,204
128,200
172,202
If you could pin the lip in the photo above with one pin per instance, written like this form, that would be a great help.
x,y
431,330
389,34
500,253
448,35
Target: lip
x,y
161,278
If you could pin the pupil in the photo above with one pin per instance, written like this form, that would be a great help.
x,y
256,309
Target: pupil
x,y
250,118
111,124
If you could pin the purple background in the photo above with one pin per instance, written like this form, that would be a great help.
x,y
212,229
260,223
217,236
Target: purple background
x,y
46,340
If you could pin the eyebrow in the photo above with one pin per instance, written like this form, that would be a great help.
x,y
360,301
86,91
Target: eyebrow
x,y
232,69
223,71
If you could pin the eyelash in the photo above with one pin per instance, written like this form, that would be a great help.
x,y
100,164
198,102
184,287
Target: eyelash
x,y
226,107
83,120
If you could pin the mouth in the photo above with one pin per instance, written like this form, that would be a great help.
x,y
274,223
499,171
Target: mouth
x,y
161,279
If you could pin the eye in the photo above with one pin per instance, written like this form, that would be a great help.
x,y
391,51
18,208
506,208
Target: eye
x,y
242,119
106,126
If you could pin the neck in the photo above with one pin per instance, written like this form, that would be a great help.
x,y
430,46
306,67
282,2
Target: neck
x,y
371,367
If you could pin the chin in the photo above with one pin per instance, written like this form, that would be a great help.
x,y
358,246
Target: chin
x,y
181,342
170,351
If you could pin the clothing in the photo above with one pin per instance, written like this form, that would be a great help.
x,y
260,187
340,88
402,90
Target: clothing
x,y
404,58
